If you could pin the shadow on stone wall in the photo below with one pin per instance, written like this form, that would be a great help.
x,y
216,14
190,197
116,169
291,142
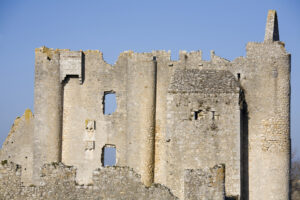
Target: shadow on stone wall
x,y
244,148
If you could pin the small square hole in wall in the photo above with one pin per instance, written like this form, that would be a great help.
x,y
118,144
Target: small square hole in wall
x,y
198,114
109,103
108,155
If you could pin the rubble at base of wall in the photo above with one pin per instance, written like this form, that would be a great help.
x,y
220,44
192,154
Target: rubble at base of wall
x,y
58,182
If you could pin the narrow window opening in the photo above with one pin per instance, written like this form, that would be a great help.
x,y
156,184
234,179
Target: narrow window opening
x,y
108,155
198,114
213,115
109,103
238,76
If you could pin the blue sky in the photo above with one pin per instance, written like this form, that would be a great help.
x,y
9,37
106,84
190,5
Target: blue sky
x,y
115,26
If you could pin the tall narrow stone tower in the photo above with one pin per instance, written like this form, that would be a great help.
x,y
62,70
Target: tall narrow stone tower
x,y
48,110
267,91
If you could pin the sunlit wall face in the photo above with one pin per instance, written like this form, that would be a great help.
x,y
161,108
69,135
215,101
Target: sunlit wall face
x,y
116,26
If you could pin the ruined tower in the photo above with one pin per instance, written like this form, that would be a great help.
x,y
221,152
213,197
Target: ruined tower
x,y
267,92
187,129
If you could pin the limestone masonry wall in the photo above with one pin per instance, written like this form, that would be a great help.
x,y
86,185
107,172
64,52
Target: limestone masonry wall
x,y
58,182
187,129
210,183
18,145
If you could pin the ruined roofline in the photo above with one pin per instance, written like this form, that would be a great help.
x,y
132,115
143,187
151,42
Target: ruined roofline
x,y
271,37
27,116
165,55
204,81
272,30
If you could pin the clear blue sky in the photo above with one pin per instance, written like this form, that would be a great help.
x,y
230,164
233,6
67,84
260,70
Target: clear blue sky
x,y
115,26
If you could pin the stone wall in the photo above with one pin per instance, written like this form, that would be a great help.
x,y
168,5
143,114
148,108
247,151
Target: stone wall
x,y
47,109
207,183
18,147
203,126
266,80
58,182
130,128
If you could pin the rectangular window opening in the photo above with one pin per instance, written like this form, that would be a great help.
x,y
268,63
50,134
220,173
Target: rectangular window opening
x,y
198,114
213,115
108,155
109,102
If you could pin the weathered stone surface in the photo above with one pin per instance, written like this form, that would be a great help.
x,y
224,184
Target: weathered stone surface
x,y
207,183
272,32
171,116
203,81
58,182
18,145
202,130
70,64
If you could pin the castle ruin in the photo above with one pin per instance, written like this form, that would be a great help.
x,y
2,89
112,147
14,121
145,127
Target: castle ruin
x,y
186,129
